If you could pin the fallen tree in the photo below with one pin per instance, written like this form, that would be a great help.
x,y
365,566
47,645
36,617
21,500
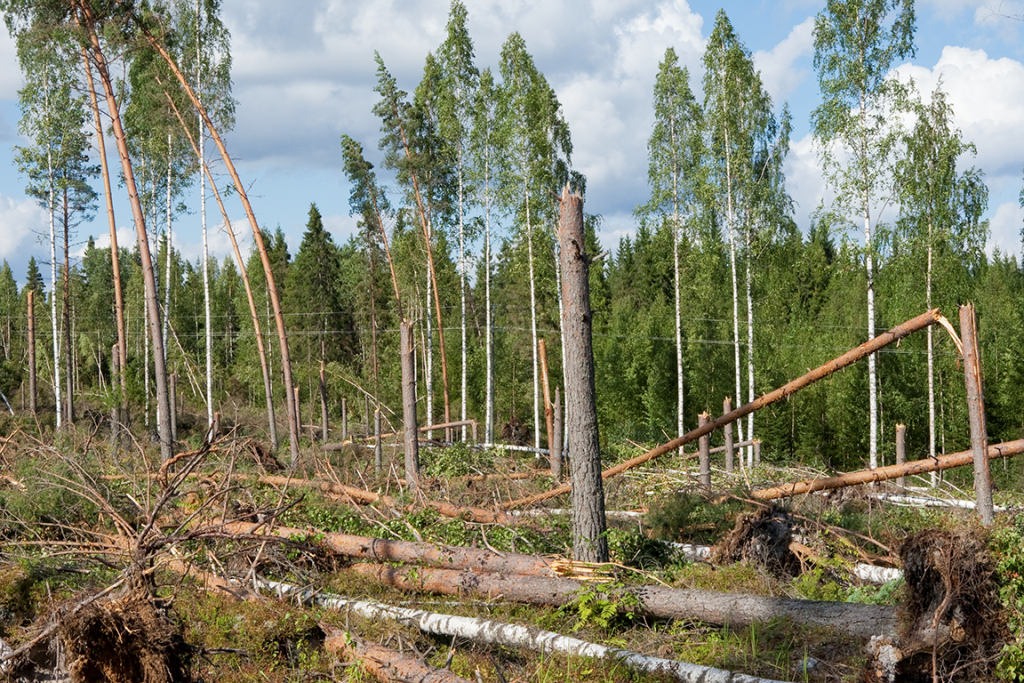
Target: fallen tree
x,y
513,635
710,607
943,462
383,663
849,358
381,550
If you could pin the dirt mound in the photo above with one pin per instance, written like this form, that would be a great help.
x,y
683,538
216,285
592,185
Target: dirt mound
x,y
951,617
761,538
262,456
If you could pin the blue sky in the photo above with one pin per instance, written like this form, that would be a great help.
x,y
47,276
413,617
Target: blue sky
x,y
304,74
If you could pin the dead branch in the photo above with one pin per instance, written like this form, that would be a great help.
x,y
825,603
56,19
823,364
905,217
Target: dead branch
x,y
383,663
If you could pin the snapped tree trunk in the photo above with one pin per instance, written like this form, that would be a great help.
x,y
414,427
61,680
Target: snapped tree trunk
x,y
412,444
976,414
588,521
31,314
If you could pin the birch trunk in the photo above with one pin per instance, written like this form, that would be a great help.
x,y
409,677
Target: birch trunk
x,y
489,410
931,357
53,269
202,214
750,347
462,296
68,361
730,220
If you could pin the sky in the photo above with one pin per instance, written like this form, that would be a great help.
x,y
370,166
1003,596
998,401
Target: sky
x,y
304,75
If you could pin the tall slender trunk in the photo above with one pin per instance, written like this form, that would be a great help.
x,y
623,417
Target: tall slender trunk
x,y
428,372
931,355
730,225
202,213
286,364
750,343
533,322
268,389
140,228
53,265
489,411
869,268
31,315
69,359
170,250
676,286
462,293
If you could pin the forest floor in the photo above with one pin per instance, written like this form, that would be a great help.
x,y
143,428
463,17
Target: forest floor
x,y
104,554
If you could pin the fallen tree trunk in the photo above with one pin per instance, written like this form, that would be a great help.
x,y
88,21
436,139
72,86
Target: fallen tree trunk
x,y
383,663
866,349
512,635
451,557
862,621
469,514
943,462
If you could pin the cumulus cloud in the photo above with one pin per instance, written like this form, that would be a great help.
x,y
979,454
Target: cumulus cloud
x,y
10,76
778,68
22,221
987,96
1005,228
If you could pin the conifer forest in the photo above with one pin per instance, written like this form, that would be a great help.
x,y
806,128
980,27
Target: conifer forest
x,y
131,374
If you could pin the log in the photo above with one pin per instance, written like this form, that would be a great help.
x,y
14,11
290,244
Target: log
x,y
976,414
381,550
383,663
710,607
513,635
849,358
943,462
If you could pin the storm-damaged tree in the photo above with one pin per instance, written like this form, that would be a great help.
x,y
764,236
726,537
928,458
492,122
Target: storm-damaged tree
x,y
675,151
58,171
856,43
412,149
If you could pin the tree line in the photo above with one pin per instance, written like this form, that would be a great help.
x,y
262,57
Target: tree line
x,y
718,294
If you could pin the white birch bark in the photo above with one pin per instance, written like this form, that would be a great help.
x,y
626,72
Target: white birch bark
x,y
489,410
202,213
512,635
167,262
53,265
730,219
931,358
533,324
428,379
750,345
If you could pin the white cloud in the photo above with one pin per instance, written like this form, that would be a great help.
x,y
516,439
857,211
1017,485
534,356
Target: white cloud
x,y
804,179
10,76
987,96
777,66
1005,228
20,221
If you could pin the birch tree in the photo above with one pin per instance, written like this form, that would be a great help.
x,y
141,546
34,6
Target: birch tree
x,y
674,151
459,82
856,43
941,209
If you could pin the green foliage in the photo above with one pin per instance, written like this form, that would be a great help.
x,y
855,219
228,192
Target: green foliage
x,y
458,460
690,517
1007,543
604,605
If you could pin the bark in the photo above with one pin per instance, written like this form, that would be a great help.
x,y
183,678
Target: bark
x,y
383,663
555,452
901,451
548,413
410,552
730,454
378,450
68,361
489,632
942,462
710,607
152,303
892,336
324,427
704,454
412,445
115,261
730,226
31,314
115,410
590,542
172,394
286,363
201,155
976,414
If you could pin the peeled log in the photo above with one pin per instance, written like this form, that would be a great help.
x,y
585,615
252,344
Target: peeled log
x,y
943,462
862,621
386,664
451,557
